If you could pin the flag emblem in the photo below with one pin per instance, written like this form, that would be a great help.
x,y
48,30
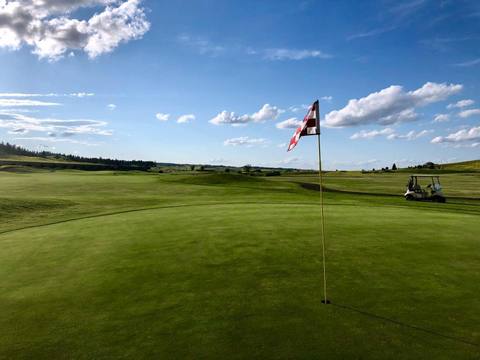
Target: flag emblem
x,y
309,126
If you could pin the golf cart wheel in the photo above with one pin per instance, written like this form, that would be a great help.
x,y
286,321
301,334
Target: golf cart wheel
x,y
409,198
439,199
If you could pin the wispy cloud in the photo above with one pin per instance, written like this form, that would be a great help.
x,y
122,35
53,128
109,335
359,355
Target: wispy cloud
x,y
205,46
32,95
371,33
406,8
444,44
244,141
400,14
441,118
294,54
468,63
25,102
57,140
411,135
297,108
390,134
364,134
111,107
290,161
202,45
22,124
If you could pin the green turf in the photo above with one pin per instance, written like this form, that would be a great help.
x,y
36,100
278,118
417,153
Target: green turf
x,y
115,265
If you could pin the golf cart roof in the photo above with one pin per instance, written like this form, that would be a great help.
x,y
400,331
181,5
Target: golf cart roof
x,y
425,175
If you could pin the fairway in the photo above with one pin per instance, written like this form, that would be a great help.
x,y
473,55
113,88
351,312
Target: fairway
x,y
114,265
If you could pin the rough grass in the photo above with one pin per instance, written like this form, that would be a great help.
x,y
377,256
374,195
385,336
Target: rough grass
x,y
473,165
458,185
160,266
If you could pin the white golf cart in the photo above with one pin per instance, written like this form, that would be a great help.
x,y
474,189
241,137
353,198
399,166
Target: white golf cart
x,y
432,192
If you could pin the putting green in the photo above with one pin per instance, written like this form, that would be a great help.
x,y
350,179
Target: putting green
x,y
242,281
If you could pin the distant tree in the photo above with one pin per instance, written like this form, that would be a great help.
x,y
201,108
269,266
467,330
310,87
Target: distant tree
x,y
247,168
394,167
10,149
227,170
373,169
386,168
192,167
202,168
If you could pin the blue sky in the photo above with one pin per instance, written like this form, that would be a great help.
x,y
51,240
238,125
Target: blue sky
x,y
225,81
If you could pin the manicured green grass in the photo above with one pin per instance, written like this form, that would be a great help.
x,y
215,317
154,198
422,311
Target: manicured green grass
x,y
114,265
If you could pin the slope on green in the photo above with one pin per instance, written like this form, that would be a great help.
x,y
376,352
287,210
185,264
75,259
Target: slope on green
x,y
144,266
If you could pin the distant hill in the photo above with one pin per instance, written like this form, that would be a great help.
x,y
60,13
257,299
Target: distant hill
x,y
16,155
430,167
13,155
473,165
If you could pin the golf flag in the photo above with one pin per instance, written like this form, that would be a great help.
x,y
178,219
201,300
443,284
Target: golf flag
x,y
309,126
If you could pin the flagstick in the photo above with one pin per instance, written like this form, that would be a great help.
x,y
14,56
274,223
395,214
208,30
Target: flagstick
x,y
325,300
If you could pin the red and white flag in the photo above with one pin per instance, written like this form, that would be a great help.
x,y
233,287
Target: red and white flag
x,y
309,126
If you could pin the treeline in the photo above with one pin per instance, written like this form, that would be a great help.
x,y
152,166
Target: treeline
x,y
11,149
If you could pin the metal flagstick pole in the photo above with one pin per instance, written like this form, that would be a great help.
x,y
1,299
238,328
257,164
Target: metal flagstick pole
x,y
325,300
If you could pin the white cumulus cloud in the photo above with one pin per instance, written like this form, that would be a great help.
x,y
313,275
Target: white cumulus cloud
x,y
185,118
267,112
291,123
468,113
461,104
47,26
162,116
389,106
471,135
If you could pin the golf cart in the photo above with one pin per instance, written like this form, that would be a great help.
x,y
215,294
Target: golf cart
x,y
432,192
